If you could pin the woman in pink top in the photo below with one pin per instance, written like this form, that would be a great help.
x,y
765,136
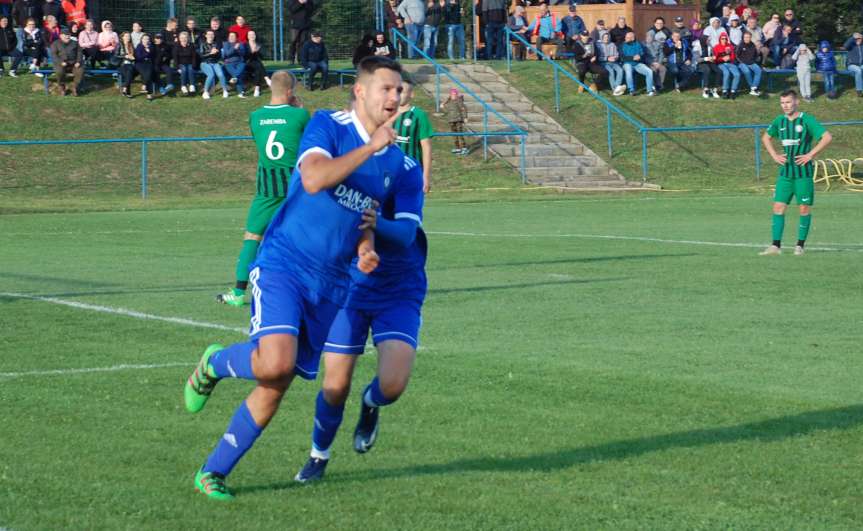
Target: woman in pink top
x,y
108,41
88,41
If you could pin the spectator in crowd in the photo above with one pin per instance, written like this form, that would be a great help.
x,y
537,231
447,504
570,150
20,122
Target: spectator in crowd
x,y
6,11
9,46
791,20
572,25
598,30
400,44
772,30
366,48
714,7
726,15
67,59
162,58
455,112
678,54
743,7
784,47
685,33
210,54
219,33
747,61
241,29
546,29
609,58
697,31
518,24
171,34
314,58
137,33
109,42
185,56
53,9
255,64
301,24
125,59
34,45
803,58
414,14
88,40
854,60
434,16
50,33
586,60
713,31
632,54
75,11
735,32
382,46
21,11
702,56
74,29
726,59
143,66
195,34
234,57
619,31
758,39
452,13
494,17
390,15
654,42
825,64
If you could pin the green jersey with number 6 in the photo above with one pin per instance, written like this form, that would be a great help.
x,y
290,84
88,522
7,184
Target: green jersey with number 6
x,y
277,130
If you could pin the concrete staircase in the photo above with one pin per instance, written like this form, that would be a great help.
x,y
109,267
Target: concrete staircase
x,y
553,156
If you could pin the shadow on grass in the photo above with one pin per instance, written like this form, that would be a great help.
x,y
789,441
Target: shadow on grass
x,y
584,260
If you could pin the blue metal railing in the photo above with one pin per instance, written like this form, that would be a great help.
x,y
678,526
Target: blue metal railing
x,y
486,134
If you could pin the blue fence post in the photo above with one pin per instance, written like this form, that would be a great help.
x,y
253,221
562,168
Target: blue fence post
x,y
757,155
523,161
475,30
437,86
144,169
282,30
275,44
608,125
485,134
508,52
556,88
644,155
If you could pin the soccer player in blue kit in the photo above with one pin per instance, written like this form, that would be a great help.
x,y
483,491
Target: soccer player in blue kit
x,y
388,301
301,276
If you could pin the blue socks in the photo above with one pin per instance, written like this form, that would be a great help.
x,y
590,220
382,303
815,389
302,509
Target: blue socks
x,y
240,436
373,396
234,361
328,418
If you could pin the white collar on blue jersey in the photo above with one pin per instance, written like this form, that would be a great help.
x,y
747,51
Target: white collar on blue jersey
x,y
361,130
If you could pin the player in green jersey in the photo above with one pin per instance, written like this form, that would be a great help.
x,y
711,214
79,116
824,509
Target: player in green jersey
x,y
797,131
414,131
276,129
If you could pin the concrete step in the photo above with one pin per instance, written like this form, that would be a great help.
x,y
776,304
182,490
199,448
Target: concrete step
x,y
509,106
532,138
561,172
539,150
582,183
559,161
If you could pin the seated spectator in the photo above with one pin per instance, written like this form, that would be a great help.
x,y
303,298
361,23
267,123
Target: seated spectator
x,y
747,59
124,58
826,66
726,15
234,57
735,33
219,33
9,47
171,34
185,56
803,58
456,115
619,31
685,33
632,54
654,41
74,30
255,63
33,47
210,55
784,47
109,41
702,56
313,57
517,23
194,32
772,29
50,33
67,58
791,20
586,60
598,30
74,11
364,49
241,29
383,47
757,39
609,58
144,62
679,58
726,59
546,29
697,31
162,57
88,41
571,26
137,33
713,31
854,60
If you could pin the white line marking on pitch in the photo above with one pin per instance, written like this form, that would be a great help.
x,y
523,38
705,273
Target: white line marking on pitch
x,y
122,367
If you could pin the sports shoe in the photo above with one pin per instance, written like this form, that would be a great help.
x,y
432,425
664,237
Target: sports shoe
x,y
212,485
201,383
455,150
754,92
184,90
257,92
619,90
205,95
705,94
224,93
231,299
716,93
771,251
367,429
313,470
799,250
32,67
465,151
13,73
39,74
241,95
191,89
651,93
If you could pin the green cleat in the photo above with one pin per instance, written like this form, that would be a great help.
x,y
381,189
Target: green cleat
x,y
231,298
202,382
212,485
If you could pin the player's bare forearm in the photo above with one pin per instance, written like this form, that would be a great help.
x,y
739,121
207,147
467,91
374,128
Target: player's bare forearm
x,y
768,145
319,172
826,138
368,259
427,163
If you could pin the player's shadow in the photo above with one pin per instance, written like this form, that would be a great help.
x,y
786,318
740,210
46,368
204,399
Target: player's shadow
x,y
523,285
558,261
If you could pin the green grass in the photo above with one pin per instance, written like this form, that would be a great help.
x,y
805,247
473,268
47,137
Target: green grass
x,y
720,160
568,379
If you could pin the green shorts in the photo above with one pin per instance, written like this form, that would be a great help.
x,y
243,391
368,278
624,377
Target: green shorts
x,y
803,189
261,211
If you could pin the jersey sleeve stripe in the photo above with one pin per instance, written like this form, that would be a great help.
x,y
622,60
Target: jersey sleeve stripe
x,y
408,215
311,150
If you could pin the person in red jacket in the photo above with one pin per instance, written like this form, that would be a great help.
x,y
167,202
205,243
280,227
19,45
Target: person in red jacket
x,y
75,11
726,60
241,29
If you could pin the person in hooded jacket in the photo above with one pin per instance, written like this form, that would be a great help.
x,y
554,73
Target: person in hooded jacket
x,y
726,59
705,61
678,55
825,64
364,49
9,46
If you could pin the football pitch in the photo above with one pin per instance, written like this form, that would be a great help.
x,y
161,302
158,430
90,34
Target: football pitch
x,y
595,362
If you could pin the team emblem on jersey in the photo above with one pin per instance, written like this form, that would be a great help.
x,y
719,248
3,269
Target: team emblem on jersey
x,y
408,122
799,128
387,180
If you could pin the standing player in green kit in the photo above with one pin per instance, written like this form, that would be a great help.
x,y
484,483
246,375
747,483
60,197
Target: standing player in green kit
x,y
797,131
414,132
276,129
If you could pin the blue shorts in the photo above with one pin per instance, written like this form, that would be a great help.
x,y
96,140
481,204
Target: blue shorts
x,y
281,305
350,329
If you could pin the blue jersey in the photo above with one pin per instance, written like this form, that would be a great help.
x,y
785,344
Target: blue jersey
x,y
315,236
401,273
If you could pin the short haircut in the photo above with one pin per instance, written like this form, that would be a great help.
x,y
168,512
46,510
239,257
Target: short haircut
x,y
172,19
215,19
657,19
190,19
789,93
370,65
676,32
282,82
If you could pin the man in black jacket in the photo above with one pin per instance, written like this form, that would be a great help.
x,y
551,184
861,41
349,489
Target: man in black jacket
x,y
9,46
313,57
301,12
586,61
163,55
220,32
66,55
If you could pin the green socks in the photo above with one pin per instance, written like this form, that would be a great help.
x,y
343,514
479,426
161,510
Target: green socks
x,y
779,226
803,231
247,256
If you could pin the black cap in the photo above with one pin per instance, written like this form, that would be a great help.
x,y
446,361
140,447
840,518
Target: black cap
x,y
585,33
316,34
678,19
158,36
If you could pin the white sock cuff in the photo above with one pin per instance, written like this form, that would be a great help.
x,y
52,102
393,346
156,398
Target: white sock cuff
x,y
320,454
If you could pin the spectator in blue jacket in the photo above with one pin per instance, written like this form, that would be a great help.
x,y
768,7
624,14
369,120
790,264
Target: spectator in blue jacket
x,y
854,60
679,59
545,27
784,46
825,64
313,57
572,25
234,56
632,53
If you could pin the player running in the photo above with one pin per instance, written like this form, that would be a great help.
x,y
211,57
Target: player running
x,y
797,131
302,273
276,129
388,301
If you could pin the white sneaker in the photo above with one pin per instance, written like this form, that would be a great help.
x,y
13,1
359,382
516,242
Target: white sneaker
x,y
39,74
716,94
754,92
241,95
191,89
268,80
257,92
184,90
798,250
224,93
651,93
13,73
205,95
705,94
32,67
771,251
